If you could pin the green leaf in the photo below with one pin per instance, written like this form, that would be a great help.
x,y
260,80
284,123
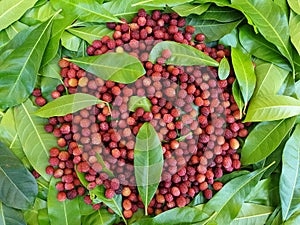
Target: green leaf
x,y
188,9
139,102
118,67
18,72
268,75
101,216
67,104
182,55
70,41
229,176
294,219
295,5
87,10
18,186
176,216
9,136
124,9
297,89
63,213
289,183
38,14
15,28
258,46
43,217
59,26
224,69
253,214
227,203
11,11
115,203
275,217
217,2
221,14
230,39
104,167
270,20
48,85
236,91
244,72
264,139
148,162
35,141
266,192
212,29
294,25
11,216
52,70
91,33
272,107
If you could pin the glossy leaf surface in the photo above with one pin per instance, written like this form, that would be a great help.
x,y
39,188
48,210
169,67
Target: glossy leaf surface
x,y
227,203
148,162
11,11
268,75
224,69
139,102
272,107
11,216
244,72
182,55
35,141
63,213
212,29
18,72
67,104
118,67
264,139
270,20
18,187
289,179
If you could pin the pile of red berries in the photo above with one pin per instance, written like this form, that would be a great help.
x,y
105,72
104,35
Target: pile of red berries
x,y
193,112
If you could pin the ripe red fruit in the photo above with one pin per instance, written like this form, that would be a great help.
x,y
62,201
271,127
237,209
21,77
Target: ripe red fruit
x,y
109,193
181,201
61,196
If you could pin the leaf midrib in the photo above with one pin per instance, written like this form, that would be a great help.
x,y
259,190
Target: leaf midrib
x,y
253,216
16,187
34,128
236,191
293,187
56,108
273,29
65,212
90,11
246,86
11,9
195,58
265,137
116,69
2,213
27,59
265,78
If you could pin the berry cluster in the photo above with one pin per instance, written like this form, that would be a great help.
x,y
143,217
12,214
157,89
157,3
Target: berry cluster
x,y
193,112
